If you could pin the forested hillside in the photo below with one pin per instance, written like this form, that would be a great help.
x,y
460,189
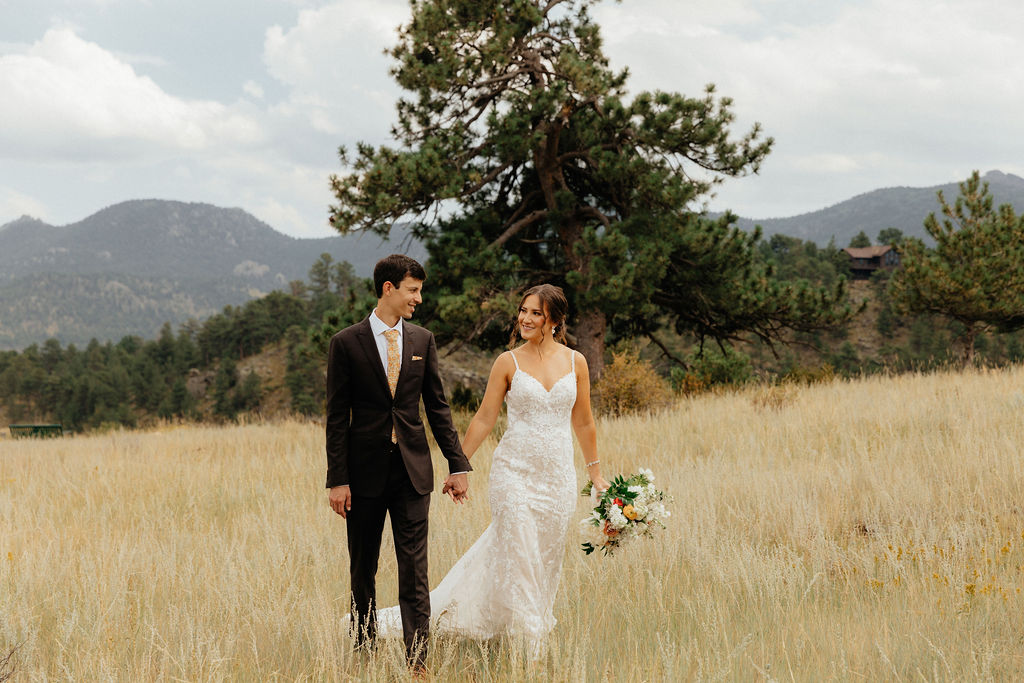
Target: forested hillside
x,y
188,373
267,357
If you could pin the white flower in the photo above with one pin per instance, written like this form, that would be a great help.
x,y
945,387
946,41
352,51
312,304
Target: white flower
x,y
616,519
635,489
647,473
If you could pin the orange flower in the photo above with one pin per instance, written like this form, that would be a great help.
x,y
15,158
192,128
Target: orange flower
x,y
609,531
629,512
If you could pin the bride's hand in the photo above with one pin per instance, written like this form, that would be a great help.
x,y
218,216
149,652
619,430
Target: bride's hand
x,y
600,484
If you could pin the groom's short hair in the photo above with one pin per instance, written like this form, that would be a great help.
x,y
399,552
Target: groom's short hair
x,y
394,269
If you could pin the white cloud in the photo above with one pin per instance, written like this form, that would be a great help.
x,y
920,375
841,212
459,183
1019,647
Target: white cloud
x,y
287,218
140,59
334,65
628,20
254,89
14,204
828,163
857,95
69,99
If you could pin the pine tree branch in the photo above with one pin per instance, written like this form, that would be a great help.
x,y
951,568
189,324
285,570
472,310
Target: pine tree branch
x,y
550,6
664,349
486,180
599,215
510,232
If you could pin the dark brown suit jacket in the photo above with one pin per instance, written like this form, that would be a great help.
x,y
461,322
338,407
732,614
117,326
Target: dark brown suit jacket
x,y
361,411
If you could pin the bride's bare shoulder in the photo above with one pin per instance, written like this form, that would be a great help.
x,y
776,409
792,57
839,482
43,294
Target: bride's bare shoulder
x,y
504,362
502,370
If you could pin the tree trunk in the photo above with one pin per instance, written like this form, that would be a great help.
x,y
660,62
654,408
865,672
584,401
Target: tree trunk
x,y
589,330
590,325
969,338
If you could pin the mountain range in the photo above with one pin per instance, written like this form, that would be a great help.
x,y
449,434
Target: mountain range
x,y
894,207
131,267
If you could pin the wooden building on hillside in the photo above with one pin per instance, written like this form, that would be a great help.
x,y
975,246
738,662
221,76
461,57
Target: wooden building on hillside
x,y
864,261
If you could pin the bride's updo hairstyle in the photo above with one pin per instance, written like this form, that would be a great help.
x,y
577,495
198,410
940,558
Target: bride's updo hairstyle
x,y
554,305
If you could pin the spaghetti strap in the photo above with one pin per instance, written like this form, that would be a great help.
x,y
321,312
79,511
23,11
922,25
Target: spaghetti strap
x,y
513,354
573,354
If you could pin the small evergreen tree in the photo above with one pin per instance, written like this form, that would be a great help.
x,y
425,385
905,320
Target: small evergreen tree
x,y
179,403
304,376
223,384
248,393
859,240
973,275
890,236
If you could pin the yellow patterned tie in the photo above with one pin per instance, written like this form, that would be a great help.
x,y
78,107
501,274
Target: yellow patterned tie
x,y
394,365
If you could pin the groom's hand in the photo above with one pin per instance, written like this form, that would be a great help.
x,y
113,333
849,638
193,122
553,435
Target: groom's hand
x,y
456,486
340,499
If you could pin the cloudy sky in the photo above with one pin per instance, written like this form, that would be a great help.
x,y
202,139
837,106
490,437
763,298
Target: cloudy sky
x,y
243,103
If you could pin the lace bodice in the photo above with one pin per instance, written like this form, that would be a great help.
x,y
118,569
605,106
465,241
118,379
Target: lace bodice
x,y
530,404
538,441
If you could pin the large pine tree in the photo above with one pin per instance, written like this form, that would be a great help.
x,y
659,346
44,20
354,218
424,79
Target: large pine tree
x,y
524,160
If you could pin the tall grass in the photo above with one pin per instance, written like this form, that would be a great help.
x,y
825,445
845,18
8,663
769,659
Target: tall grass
x,y
864,530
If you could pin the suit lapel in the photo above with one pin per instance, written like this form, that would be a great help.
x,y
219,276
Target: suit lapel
x,y
369,345
408,340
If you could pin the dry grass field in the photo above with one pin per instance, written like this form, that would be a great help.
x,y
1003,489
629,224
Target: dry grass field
x,y
855,531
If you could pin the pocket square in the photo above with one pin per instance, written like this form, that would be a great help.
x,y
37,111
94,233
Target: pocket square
x,y
417,357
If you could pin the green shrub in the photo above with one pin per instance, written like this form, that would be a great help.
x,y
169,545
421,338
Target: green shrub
x,y
464,398
846,360
720,368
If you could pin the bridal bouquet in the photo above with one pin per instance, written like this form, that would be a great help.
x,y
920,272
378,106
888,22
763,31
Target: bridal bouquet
x,y
631,507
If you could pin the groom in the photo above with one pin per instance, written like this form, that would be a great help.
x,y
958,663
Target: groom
x,y
378,460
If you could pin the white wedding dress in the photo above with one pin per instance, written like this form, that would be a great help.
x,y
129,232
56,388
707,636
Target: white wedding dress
x,y
506,582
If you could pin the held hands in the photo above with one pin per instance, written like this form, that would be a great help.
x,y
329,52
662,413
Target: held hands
x,y
340,499
456,486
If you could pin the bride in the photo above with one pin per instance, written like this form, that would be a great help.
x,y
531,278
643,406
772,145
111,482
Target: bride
x,y
506,582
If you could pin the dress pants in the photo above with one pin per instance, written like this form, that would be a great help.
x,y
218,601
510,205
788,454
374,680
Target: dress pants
x,y
408,510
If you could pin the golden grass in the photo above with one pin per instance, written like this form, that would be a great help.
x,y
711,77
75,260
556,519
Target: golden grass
x,y
867,530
